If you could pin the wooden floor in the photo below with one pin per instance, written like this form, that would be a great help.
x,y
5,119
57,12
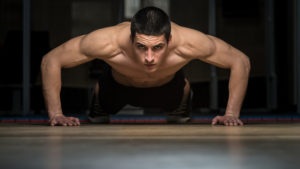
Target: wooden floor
x,y
164,146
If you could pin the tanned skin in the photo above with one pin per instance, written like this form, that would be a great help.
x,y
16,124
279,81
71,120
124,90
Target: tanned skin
x,y
146,61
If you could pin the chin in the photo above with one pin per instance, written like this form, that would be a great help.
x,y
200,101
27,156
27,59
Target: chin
x,y
151,69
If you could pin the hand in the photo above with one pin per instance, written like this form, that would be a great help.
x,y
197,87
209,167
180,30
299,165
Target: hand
x,y
227,121
60,119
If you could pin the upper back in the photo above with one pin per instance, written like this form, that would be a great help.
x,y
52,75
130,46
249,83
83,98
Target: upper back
x,y
110,41
190,43
106,42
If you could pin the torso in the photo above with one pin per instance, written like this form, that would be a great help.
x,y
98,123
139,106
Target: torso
x,y
127,71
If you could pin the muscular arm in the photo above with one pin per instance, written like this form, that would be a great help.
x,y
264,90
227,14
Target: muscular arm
x,y
217,52
68,54
72,53
226,56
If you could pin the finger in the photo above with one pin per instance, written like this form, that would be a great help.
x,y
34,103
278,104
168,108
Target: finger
x,y
59,121
232,122
69,123
64,121
226,122
78,121
240,122
75,121
53,123
215,120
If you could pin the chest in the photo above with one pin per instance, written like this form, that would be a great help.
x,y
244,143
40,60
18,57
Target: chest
x,y
128,71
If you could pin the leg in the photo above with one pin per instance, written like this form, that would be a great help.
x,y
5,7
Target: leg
x,y
182,113
107,99
186,91
97,114
96,92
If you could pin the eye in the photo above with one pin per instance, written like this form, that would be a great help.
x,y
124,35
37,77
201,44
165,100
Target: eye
x,y
140,46
157,47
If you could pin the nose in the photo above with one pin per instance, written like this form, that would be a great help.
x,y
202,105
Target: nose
x,y
149,56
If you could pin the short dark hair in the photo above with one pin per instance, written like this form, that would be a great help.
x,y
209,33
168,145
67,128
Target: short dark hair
x,y
150,21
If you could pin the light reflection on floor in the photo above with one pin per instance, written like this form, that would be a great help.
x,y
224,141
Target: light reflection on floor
x,y
149,146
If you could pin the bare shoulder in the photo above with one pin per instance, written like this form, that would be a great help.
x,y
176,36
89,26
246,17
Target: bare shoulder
x,y
104,42
191,42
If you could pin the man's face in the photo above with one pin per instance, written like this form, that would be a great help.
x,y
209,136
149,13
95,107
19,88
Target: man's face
x,y
150,50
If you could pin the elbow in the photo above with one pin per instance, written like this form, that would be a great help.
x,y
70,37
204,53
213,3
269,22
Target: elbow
x,y
44,63
246,64
242,65
48,63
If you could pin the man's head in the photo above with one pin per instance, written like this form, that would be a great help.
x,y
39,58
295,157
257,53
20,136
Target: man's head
x,y
150,21
150,34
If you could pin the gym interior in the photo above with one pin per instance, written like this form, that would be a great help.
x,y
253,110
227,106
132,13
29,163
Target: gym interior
x,y
267,31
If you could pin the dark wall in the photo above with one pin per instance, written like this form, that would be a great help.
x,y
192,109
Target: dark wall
x,y
240,23
285,60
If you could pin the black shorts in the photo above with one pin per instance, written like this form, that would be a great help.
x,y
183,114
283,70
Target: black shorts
x,y
113,96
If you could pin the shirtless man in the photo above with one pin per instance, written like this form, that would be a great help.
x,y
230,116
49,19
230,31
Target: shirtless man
x,y
145,58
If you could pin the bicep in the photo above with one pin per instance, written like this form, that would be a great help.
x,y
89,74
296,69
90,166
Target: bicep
x,y
222,54
69,54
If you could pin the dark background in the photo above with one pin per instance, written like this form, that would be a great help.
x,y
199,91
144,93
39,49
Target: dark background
x,y
240,23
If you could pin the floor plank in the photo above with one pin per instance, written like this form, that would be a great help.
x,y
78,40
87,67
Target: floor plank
x,y
150,146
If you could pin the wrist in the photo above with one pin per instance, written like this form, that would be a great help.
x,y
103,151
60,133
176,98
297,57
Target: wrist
x,y
53,115
232,114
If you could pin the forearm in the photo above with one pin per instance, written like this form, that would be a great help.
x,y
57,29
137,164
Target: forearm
x,y
51,80
238,83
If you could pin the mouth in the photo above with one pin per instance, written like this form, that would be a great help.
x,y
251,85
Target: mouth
x,y
149,65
